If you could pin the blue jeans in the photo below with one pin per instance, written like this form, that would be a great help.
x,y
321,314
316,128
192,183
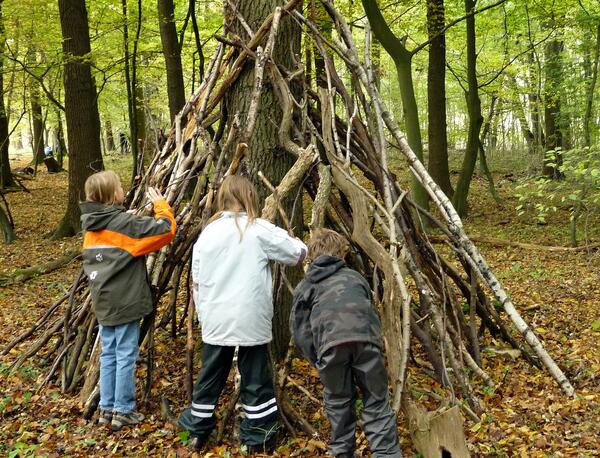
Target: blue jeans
x,y
117,366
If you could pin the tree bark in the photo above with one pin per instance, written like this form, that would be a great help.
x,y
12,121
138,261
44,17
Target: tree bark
x,y
534,102
140,121
6,227
475,117
587,118
519,111
266,154
172,53
552,109
81,107
110,139
133,108
38,125
403,61
436,98
60,138
6,178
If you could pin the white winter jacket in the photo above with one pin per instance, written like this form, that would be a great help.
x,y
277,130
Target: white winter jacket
x,y
232,278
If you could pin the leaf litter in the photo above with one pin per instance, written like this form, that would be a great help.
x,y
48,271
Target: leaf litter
x,y
526,414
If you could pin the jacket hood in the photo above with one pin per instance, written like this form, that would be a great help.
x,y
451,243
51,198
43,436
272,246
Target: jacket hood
x,y
95,216
324,267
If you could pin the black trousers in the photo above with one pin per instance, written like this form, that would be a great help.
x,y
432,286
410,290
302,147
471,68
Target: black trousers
x,y
257,394
341,369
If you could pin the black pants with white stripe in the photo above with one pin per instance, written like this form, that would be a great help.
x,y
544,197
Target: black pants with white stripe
x,y
257,394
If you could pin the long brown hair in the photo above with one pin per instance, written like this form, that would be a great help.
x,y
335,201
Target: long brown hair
x,y
237,194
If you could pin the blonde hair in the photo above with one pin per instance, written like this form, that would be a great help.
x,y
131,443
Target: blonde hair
x,y
327,242
102,187
236,194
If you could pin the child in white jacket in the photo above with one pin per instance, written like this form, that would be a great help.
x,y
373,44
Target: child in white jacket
x,y
233,297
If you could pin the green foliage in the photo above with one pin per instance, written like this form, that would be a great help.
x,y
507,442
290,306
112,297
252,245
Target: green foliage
x,y
579,191
184,437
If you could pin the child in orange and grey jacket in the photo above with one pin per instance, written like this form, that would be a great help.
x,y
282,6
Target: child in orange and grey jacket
x,y
114,246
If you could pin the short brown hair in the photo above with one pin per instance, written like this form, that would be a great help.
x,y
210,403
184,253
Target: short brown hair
x,y
327,242
102,187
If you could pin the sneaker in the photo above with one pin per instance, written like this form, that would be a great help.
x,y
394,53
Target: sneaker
x,y
125,419
104,416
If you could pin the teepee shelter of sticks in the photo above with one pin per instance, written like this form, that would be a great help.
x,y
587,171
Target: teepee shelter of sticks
x,y
339,134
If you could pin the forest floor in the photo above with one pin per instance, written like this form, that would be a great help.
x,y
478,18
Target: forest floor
x,y
558,294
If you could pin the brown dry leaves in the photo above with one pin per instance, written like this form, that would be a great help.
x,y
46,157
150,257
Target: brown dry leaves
x,y
527,415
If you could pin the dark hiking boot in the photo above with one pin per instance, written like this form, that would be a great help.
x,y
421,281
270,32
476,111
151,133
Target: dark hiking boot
x,y
197,443
125,419
266,447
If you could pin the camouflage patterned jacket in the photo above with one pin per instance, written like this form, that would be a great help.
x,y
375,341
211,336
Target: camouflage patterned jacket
x,y
332,306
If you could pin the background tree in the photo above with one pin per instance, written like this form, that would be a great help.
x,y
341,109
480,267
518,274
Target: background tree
x,y
81,107
6,179
37,121
475,117
436,97
402,58
552,107
172,53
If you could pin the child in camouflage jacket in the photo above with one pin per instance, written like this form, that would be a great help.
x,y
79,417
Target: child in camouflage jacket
x,y
337,328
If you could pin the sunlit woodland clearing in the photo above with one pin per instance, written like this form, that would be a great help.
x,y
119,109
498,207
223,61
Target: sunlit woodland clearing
x,y
540,237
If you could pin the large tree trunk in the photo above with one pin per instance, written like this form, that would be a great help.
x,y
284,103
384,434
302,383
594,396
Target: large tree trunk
x,y
61,147
266,154
133,107
519,111
6,227
403,60
38,125
552,103
81,107
587,118
172,53
436,96
534,96
140,121
6,178
475,117
110,139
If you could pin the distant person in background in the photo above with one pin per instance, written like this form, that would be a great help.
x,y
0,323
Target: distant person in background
x,y
48,151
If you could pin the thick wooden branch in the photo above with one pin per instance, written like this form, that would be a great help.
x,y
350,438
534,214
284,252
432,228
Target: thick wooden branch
x,y
289,182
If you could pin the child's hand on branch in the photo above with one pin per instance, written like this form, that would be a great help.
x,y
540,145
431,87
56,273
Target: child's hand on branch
x,y
154,195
